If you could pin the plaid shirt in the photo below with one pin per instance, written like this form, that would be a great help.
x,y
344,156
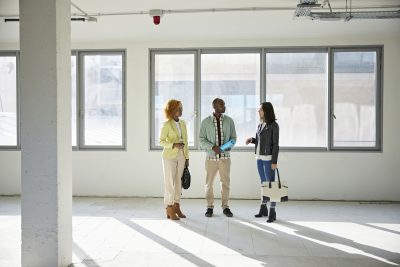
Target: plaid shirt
x,y
222,155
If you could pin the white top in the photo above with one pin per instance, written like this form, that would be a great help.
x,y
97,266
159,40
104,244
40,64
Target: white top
x,y
258,156
178,125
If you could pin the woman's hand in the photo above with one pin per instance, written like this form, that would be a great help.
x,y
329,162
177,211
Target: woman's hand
x,y
187,163
178,145
248,140
274,166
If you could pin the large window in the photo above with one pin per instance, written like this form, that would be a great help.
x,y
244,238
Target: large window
x,y
174,79
236,79
102,97
8,100
325,98
355,98
297,86
97,100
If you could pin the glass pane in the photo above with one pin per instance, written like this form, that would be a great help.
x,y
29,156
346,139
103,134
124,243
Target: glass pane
x,y
103,100
355,99
297,86
73,100
8,101
174,79
236,79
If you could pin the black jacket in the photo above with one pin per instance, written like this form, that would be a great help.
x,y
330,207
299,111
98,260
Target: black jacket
x,y
269,141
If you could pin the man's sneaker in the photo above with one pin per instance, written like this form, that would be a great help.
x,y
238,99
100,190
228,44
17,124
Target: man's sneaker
x,y
228,212
209,212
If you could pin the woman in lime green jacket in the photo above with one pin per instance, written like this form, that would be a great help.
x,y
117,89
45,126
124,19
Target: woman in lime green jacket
x,y
174,140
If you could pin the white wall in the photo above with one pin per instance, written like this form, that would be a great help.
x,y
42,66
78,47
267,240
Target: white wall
x,y
310,175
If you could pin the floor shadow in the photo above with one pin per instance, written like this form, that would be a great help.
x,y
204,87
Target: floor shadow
x,y
85,261
165,243
124,211
382,229
307,235
344,247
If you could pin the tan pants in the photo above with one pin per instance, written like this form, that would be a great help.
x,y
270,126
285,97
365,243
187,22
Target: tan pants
x,y
222,166
173,170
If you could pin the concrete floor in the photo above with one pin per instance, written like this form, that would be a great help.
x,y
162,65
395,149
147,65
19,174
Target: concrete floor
x,y
135,232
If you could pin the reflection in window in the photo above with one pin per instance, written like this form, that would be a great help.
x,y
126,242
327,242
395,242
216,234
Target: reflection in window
x,y
103,92
297,87
174,79
236,79
306,89
355,87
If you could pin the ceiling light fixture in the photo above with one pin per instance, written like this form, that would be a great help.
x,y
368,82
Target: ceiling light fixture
x,y
304,8
355,15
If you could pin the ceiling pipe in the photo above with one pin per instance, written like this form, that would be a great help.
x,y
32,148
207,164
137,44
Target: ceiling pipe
x,y
94,16
240,9
84,14
72,19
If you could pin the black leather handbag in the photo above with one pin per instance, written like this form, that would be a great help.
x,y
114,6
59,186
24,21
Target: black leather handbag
x,y
186,178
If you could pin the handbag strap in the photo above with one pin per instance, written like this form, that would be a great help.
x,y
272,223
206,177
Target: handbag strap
x,y
279,178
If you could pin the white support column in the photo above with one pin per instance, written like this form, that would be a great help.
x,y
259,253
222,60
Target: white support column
x,y
45,66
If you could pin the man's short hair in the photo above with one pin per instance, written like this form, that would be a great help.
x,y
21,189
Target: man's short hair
x,y
217,100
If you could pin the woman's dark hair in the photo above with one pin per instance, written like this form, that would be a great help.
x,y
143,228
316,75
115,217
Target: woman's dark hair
x,y
269,113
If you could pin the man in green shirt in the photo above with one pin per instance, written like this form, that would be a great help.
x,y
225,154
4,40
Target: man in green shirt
x,y
216,130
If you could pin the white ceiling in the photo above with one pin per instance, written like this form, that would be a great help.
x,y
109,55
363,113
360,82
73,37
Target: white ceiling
x,y
205,26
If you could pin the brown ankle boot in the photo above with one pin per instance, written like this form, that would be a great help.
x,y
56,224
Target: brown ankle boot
x,y
178,211
171,213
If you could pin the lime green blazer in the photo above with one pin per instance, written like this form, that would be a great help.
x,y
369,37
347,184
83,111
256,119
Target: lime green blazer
x,y
170,135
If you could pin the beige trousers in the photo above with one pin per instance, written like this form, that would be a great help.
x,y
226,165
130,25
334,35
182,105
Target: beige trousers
x,y
222,166
173,170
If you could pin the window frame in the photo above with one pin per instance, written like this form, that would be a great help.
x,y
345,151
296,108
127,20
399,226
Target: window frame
x,y
299,50
220,51
379,49
77,127
79,100
16,53
152,56
378,94
329,50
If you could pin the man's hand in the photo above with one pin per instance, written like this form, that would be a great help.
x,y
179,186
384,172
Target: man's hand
x,y
274,166
217,150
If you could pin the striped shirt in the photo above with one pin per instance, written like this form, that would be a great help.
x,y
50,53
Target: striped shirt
x,y
219,139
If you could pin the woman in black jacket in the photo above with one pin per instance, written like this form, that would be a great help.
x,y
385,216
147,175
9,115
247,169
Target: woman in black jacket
x,y
266,150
